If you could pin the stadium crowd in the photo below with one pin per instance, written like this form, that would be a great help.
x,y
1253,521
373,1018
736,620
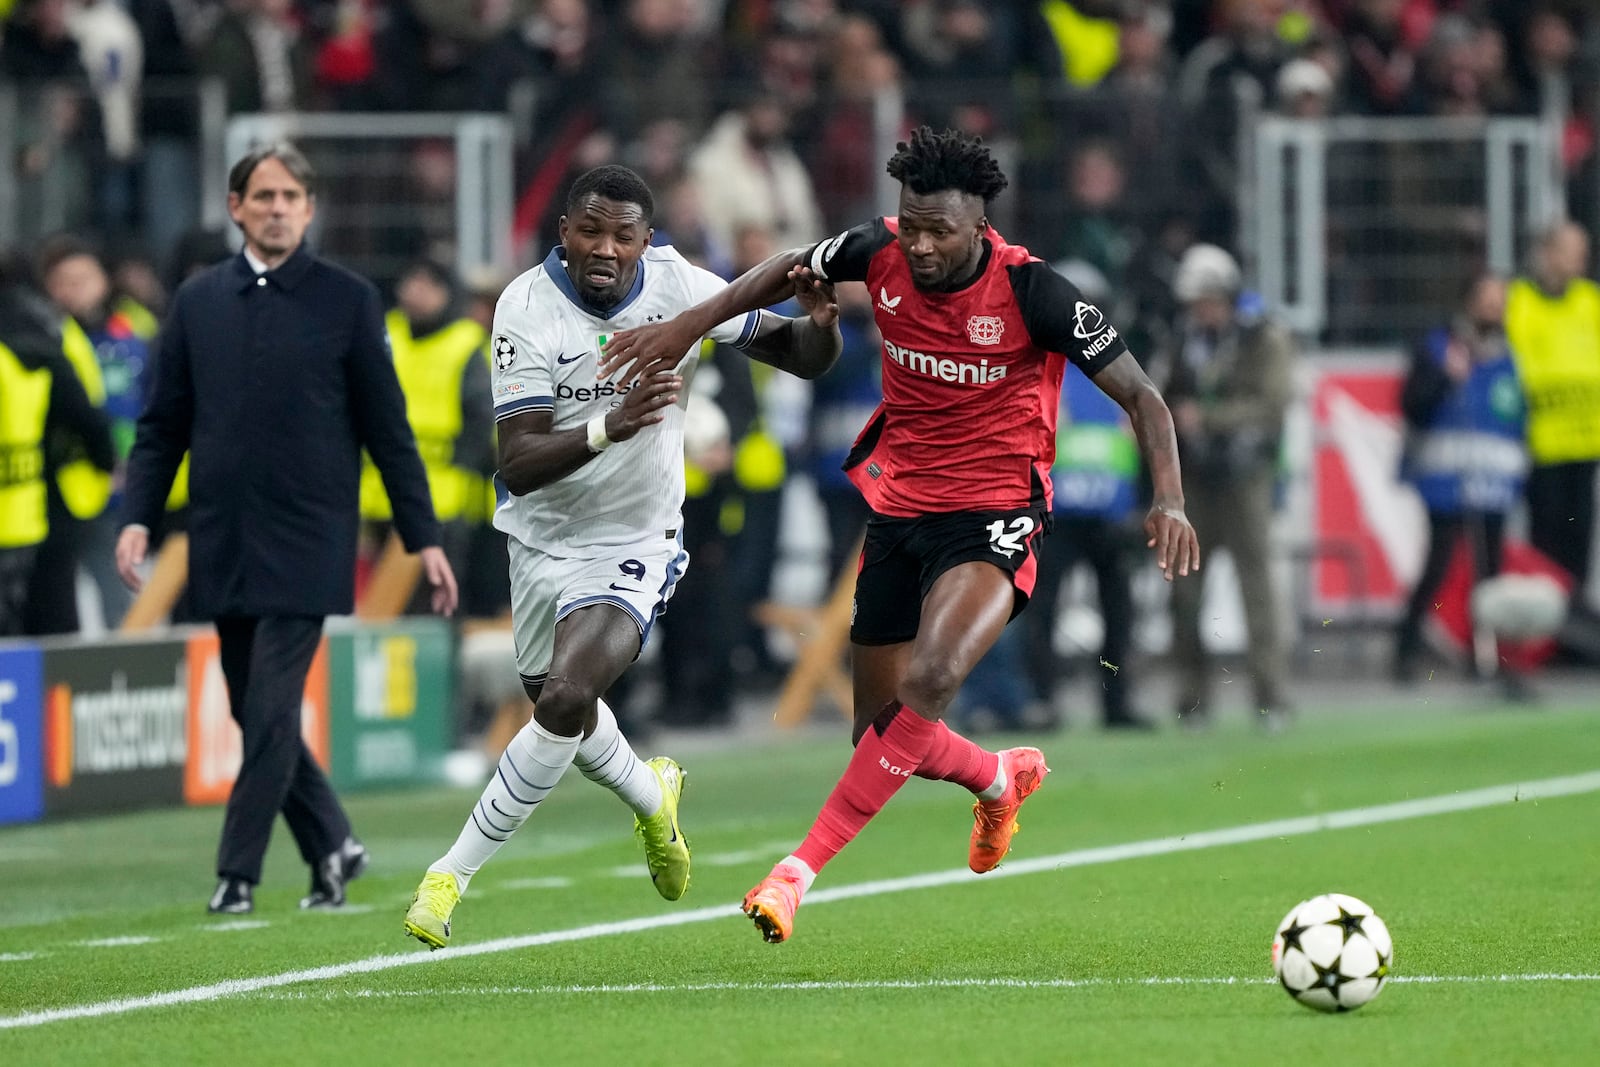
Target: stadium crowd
x,y
753,120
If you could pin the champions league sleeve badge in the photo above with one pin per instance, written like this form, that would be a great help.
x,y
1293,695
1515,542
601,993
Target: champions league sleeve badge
x,y
505,352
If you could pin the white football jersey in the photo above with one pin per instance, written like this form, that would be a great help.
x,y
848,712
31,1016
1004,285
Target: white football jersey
x,y
546,353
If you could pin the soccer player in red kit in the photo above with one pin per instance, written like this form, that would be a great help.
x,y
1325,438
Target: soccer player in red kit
x,y
955,464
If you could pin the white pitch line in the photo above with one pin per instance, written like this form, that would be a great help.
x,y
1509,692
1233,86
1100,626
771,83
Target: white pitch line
x,y
551,882
1384,813
116,942
16,957
890,983
236,924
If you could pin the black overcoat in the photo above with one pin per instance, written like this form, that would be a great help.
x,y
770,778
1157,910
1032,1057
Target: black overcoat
x,y
274,383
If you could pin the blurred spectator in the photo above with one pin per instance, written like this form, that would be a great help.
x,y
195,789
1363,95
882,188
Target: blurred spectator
x,y
1383,57
846,162
1230,74
40,396
842,403
257,51
39,54
758,403
1096,480
438,357
1305,90
665,72
749,177
1553,323
1231,381
112,53
1464,448
960,53
169,170
75,278
1097,229
484,591
681,223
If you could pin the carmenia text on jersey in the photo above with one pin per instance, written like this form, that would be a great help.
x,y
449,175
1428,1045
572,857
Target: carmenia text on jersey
x,y
971,376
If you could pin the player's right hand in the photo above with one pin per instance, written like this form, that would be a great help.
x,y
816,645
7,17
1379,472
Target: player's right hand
x,y
132,544
645,404
642,350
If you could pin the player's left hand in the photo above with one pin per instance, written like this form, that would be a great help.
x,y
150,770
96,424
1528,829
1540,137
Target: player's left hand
x,y
815,296
436,568
642,350
1177,547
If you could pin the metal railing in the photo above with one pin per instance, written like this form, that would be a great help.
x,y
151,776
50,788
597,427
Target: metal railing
x,y
1364,229
393,187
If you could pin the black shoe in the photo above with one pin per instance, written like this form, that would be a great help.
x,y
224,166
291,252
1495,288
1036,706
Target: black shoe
x,y
231,898
333,872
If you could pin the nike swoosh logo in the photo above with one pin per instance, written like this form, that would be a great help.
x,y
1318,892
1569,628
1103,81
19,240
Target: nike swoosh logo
x,y
625,588
563,360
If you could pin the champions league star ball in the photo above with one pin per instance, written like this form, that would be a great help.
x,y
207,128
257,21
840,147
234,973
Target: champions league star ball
x,y
1332,953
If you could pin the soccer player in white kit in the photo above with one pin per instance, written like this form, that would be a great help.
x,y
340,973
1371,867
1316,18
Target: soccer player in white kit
x,y
593,481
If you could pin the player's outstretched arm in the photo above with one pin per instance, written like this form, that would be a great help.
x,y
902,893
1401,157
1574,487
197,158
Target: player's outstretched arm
x,y
660,345
532,454
808,345
1177,547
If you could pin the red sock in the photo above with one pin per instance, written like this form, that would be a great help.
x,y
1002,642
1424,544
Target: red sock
x,y
889,753
952,758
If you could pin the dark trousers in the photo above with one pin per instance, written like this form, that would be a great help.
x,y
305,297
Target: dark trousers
x,y
265,662
16,568
1236,514
1561,517
1103,546
53,585
1485,534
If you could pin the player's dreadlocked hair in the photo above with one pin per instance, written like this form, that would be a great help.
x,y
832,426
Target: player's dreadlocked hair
x,y
614,182
933,162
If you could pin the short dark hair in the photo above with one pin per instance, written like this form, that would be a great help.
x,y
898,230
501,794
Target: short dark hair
x,y
58,248
614,182
933,162
293,161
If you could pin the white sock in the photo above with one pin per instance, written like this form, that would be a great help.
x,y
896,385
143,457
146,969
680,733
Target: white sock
x,y
997,788
807,875
606,757
531,766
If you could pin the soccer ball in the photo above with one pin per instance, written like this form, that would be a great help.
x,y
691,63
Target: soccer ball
x,y
1332,953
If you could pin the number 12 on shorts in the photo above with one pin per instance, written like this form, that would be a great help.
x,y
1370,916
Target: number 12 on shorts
x,y
1007,538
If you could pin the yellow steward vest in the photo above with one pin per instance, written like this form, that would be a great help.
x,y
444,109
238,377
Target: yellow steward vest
x,y
24,406
85,488
1555,342
430,370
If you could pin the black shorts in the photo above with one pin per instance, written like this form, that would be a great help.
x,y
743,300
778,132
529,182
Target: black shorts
x,y
902,558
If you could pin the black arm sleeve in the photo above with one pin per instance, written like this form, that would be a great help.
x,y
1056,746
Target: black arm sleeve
x,y
1059,319
845,257
162,435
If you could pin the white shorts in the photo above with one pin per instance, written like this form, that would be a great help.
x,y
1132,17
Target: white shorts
x,y
545,589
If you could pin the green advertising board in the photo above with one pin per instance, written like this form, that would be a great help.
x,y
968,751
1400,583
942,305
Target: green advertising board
x,y
389,696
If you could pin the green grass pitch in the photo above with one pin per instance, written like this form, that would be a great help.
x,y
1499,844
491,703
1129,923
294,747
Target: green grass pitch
x,y
1150,955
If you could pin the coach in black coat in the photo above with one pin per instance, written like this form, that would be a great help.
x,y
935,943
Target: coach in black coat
x,y
274,373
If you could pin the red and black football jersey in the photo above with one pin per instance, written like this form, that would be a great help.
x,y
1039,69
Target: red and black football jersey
x,y
971,376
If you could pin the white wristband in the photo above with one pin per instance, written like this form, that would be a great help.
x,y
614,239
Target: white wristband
x,y
598,441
